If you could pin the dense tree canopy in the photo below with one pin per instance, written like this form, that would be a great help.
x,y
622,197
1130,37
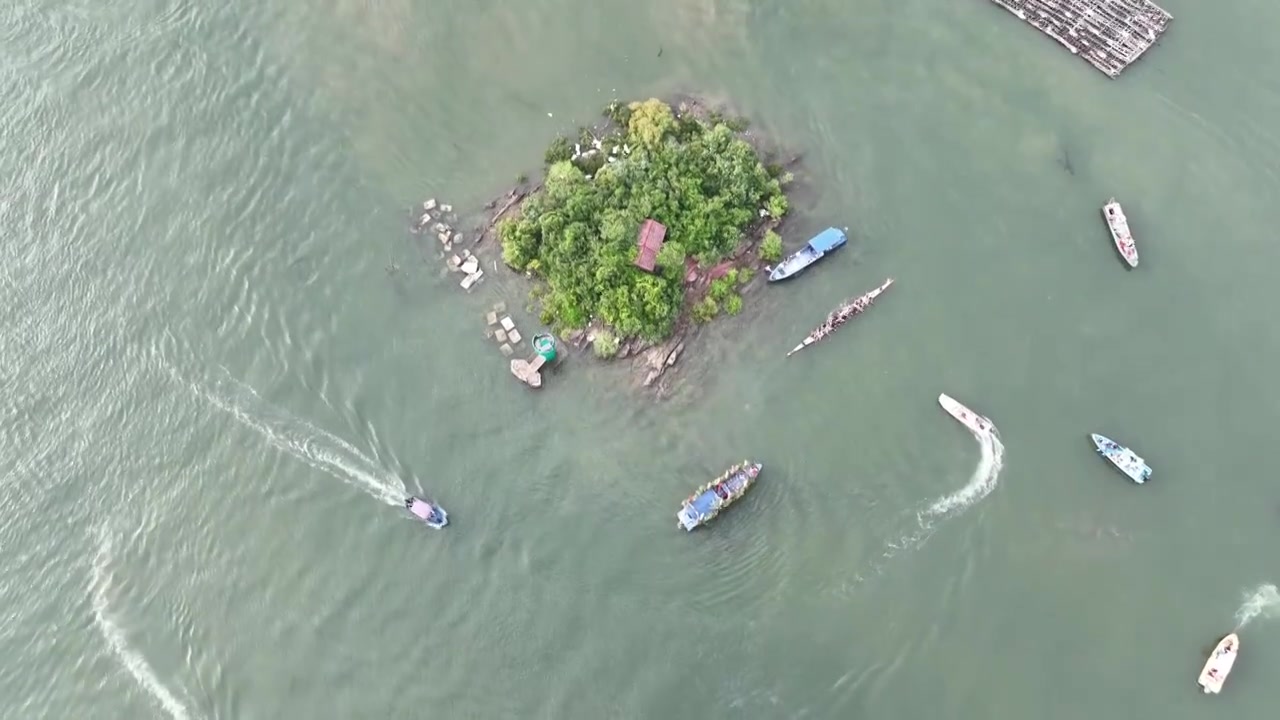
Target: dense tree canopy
x,y
578,234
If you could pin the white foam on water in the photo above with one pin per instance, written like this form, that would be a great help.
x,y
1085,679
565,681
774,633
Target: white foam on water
x,y
319,449
1263,602
981,483
983,480
118,642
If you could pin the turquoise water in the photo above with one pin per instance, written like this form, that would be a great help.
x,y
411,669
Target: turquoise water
x,y
215,394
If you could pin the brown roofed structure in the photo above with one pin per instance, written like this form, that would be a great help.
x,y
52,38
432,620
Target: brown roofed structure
x,y
649,242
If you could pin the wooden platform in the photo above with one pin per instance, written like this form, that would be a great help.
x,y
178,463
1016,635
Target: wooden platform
x,y
529,370
1109,34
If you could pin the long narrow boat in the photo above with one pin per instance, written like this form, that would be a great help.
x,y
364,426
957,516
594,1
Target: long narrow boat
x,y
1118,224
1126,460
840,316
813,251
977,424
702,506
1219,664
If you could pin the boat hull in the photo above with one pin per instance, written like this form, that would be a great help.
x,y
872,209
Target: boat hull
x,y
1219,664
1121,235
818,247
1122,458
794,264
977,424
840,315
428,513
709,500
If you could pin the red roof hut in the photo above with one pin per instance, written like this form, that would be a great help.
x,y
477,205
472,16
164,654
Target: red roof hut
x,y
649,242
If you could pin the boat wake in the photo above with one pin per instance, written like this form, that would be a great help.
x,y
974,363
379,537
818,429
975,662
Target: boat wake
x,y
118,642
981,483
319,449
984,479
1263,602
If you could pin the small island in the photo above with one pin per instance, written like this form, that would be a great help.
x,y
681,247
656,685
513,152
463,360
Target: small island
x,y
657,217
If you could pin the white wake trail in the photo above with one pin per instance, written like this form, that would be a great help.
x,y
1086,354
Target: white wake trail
x,y
981,483
1263,602
983,480
118,642
322,450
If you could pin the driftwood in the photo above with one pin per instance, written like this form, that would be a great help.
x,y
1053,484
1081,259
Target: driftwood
x,y
513,197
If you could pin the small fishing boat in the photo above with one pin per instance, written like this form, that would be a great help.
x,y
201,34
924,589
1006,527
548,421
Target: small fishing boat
x,y
1123,458
1219,664
429,513
977,424
840,315
813,251
1120,235
717,495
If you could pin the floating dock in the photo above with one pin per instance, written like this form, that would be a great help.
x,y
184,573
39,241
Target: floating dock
x,y
1109,34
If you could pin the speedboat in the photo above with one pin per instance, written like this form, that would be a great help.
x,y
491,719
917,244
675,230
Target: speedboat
x,y
710,499
1219,664
813,251
977,424
1118,224
428,512
1126,460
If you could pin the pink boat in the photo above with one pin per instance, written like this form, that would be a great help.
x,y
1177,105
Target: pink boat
x,y
429,513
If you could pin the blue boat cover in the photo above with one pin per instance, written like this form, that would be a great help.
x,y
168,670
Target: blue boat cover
x,y
705,503
827,240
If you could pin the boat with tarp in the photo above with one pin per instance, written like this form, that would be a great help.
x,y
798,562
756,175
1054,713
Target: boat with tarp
x,y
431,514
1219,664
813,251
1126,460
707,502
840,316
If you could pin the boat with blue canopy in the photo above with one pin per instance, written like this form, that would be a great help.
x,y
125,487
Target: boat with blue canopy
x,y
813,251
717,495
1126,460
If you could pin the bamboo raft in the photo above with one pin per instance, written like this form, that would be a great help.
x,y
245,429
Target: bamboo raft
x,y
1109,34
840,316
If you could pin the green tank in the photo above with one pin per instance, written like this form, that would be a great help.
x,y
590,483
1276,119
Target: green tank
x,y
545,345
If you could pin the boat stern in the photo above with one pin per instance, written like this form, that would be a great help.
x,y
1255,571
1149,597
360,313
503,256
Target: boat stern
x,y
687,518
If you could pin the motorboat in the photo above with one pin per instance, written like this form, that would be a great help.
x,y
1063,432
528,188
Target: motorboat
x,y
1219,664
1118,224
977,424
813,251
1126,460
431,514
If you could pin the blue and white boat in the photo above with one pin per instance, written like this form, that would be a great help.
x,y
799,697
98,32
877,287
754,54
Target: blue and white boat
x,y
429,513
813,251
1123,458
717,495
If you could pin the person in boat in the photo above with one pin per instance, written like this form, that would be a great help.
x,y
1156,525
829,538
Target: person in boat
x,y
408,503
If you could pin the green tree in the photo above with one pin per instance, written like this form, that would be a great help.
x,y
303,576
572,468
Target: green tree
x,y
650,121
771,247
578,235
605,344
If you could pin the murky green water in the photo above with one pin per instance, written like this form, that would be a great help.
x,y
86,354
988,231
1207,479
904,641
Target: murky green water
x,y
214,393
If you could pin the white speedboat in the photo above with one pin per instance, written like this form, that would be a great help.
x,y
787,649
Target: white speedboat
x,y
976,423
1120,234
1219,665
